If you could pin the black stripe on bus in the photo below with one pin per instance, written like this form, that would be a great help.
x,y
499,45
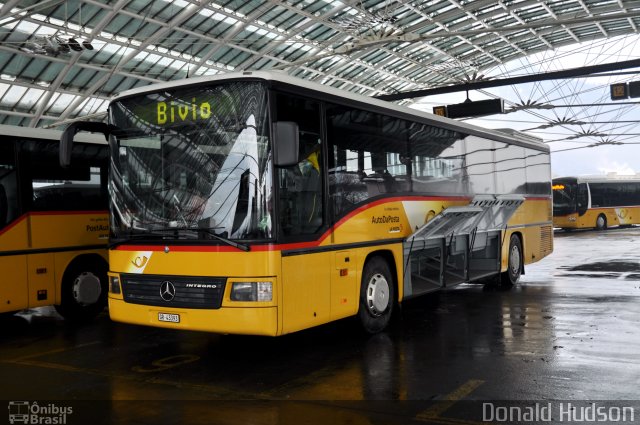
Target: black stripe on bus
x,y
51,250
318,249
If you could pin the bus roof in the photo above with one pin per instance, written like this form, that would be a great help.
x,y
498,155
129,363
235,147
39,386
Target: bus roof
x,y
48,134
504,135
610,178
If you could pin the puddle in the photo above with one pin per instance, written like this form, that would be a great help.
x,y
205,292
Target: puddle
x,y
608,266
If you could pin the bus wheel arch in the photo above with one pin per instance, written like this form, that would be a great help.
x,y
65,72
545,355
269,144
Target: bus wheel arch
x,y
515,261
84,288
378,291
601,222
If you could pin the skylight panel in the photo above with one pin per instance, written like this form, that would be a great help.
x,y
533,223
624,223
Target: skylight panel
x,y
3,89
229,20
13,95
61,103
110,48
180,3
27,27
31,97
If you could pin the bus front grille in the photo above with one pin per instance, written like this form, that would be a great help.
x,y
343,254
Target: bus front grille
x,y
173,291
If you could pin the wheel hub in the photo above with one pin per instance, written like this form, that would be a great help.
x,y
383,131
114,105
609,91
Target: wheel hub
x,y
514,259
377,294
86,289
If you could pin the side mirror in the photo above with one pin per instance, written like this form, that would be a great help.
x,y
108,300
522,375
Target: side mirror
x,y
66,140
285,143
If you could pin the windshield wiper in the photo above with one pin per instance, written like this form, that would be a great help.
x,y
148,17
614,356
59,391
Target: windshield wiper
x,y
136,236
179,230
213,234
165,234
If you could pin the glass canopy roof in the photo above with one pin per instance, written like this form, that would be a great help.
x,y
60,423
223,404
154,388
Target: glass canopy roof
x,y
62,60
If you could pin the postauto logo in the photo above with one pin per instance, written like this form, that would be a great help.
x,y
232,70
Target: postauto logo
x,y
26,412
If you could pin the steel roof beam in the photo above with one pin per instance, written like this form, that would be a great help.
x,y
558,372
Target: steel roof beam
x,y
554,75
78,64
186,13
55,85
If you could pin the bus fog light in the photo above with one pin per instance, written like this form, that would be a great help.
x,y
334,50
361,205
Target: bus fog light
x,y
251,291
115,285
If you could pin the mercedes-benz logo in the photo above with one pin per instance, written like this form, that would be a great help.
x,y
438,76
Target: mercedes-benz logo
x,y
167,290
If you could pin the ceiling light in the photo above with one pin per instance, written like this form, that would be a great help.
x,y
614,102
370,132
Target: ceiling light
x,y
74,45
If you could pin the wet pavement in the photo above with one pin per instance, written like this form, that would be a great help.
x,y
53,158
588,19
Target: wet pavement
x,y
569,331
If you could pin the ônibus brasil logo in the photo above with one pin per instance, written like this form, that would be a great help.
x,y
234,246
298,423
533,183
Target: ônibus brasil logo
x,y
25,412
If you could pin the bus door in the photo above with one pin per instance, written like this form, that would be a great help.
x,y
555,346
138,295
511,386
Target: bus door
x,y
582,199
39,172
13,235
305,277
58,200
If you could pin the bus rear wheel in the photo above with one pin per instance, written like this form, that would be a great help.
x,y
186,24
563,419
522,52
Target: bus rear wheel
x,y
84,291
601,222
515,262
377,295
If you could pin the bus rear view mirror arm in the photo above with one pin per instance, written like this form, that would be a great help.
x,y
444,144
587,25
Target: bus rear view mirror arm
x,y
285,143
66,140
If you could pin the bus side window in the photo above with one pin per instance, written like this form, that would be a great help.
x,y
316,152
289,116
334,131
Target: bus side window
x,y
52,188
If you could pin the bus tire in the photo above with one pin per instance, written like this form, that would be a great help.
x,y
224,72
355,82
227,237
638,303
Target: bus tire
x,y
377,295
514,264
601,222
84,290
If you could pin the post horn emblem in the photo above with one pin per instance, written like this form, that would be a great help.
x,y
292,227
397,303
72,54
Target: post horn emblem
x,y
140,262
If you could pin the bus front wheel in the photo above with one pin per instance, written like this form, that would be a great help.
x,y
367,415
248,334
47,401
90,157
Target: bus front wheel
x,y
84,290
377,295
514,266
601,222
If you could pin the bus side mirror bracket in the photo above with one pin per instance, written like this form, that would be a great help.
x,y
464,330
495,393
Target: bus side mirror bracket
x,y
66,140
285,143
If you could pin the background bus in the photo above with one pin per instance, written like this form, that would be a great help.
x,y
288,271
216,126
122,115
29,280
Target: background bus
x,y
257,203
53,223
596,202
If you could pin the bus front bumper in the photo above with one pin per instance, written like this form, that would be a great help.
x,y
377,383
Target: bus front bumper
x,y
225,320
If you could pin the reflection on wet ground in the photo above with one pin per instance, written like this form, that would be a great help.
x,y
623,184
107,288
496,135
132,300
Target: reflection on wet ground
x,y
607,266
569,331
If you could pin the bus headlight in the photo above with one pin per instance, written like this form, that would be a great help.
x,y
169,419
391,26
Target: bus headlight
x,y
115,284
251,291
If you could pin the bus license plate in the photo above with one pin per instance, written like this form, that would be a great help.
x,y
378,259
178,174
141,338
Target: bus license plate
x,y
165,317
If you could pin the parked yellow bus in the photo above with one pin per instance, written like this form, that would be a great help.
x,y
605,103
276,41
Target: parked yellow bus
x,y
596,202
258,203
53,223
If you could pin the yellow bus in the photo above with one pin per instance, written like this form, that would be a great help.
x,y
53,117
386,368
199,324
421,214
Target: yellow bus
x,y
53,223
596,202
258,203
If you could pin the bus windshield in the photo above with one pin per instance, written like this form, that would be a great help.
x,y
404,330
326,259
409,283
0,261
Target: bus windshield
x,y
564,197
192,163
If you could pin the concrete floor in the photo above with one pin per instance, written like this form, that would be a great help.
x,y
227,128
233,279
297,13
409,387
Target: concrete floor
x,y
569,331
